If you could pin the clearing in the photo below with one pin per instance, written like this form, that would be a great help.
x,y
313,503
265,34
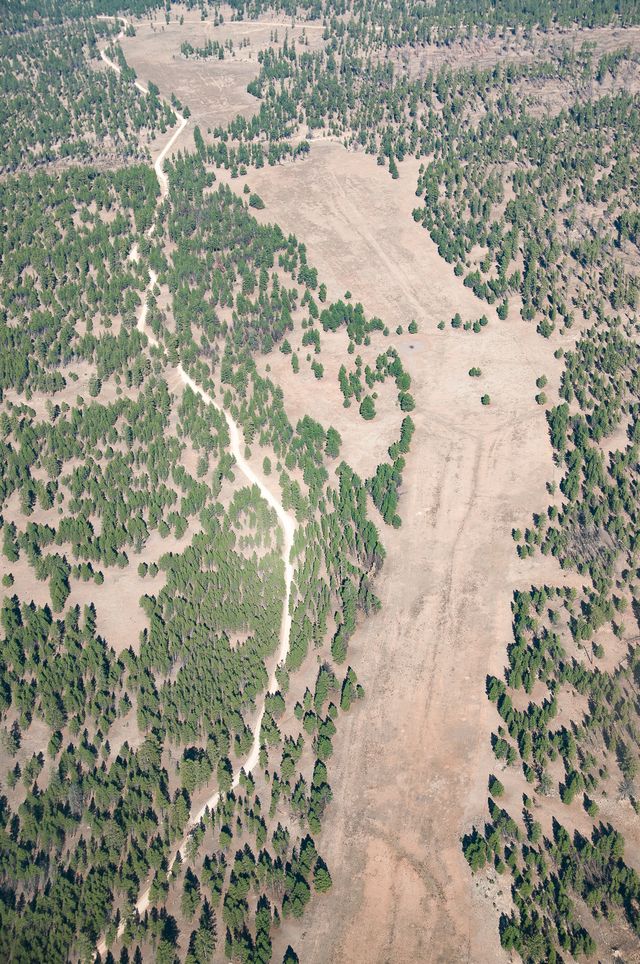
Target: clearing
x,y
410,769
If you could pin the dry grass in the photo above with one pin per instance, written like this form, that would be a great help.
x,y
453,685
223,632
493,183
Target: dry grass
x,y
410,771
410,766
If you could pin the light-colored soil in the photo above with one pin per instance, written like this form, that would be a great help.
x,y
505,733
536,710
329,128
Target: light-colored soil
x,y
215,90
411,762
409,775
515,47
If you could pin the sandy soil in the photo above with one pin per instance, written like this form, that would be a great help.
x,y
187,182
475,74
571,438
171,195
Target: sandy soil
x,y
409,775
215,90
410,766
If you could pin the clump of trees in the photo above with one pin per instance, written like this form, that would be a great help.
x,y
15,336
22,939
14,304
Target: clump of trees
x,y
58,107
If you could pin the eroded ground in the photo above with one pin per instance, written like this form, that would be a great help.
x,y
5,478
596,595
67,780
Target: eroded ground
x,y
410,768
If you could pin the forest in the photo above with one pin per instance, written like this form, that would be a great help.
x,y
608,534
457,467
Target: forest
x,y
113,469
102,460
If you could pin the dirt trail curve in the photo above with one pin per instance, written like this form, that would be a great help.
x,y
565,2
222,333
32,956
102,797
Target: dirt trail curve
x,y
286,522
182,121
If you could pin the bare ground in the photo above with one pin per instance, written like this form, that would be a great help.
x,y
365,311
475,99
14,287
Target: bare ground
x,y
410,765
409,775
215,90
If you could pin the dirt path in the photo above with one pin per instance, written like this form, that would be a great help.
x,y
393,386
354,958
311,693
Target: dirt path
x,y
286,522
182,121
409,771
287,525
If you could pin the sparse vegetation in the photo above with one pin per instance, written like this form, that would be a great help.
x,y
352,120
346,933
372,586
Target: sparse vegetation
x,y
109,469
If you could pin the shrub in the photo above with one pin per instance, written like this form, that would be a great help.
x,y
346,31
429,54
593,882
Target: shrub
x,y
496,789
367,408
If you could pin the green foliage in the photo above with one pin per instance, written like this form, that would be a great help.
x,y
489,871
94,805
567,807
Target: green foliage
x,y
496,789
367,408
57,105
321,877
475,851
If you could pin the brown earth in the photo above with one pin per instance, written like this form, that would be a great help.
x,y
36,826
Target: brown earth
x,y
409,775
215,90
410,769
411,762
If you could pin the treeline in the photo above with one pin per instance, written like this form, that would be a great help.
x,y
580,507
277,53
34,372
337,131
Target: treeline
x,y
106,472
56,106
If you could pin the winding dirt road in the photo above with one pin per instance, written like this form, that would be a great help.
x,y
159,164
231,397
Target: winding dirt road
x,y
182,121
286,522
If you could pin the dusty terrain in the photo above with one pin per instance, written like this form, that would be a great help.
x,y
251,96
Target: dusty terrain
x,y
215,90
410,764
409,773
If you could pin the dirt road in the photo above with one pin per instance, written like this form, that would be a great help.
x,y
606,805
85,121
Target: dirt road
x,y
285,521
410,767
